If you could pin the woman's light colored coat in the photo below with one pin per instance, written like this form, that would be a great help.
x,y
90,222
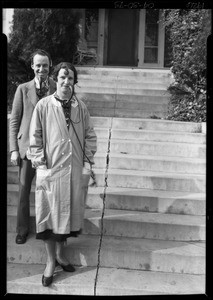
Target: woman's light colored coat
x,y
60,194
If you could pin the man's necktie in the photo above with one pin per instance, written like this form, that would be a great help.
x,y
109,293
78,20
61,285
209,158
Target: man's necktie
x,y
42,92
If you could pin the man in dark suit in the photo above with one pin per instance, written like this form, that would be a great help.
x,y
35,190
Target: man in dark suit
x,y
25,99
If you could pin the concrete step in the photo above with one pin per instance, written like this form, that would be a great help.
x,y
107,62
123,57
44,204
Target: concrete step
x,y
143,124
155,201
146,225
143,156
155,163
94,197
120,84
105,122
121,104
122,91
117,252
102,133
26,279
152,124
132,199
139,179
99,159
126,113
110,78
98,122
157,136
124,72
132,224
126,76
102,144
154,148
12,176
156,180
143,99
108,98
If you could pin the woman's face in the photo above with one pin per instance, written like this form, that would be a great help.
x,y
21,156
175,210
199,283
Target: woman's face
x,y
65,81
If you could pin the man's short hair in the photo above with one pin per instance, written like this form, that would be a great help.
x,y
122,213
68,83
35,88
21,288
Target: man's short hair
x,y
40,52
66,66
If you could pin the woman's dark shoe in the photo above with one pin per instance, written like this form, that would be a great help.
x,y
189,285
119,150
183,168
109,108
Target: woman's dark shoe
x,y
46,281
66,268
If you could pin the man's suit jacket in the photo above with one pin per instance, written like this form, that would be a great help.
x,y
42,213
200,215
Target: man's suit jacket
x,y
24,103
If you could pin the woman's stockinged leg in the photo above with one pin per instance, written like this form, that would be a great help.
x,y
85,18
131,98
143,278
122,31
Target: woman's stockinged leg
x,y
51,250
61,259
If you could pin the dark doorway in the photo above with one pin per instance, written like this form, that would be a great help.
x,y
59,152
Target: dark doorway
x,y
122,42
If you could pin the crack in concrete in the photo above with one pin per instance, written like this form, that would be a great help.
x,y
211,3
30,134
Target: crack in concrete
x,y
103,209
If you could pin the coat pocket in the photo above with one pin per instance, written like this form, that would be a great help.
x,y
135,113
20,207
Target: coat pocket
x,y
42,177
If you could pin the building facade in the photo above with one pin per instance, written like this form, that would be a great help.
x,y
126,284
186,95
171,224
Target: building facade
x,y
127,37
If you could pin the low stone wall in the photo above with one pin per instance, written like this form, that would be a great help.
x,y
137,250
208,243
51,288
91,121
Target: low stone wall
x,y
203,126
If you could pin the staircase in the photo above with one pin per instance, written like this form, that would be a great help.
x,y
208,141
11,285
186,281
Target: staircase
x,y
124,92
144,227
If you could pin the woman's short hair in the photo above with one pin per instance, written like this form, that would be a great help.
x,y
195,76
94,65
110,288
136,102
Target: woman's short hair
x,y
40,52
66,66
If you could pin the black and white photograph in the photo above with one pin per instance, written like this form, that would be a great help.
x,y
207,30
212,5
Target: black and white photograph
x,y
107,150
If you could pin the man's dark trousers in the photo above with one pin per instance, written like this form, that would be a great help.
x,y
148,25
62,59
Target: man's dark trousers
x,y
26,175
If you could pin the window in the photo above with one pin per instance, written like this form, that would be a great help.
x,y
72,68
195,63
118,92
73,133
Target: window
x,y
151,36
91,27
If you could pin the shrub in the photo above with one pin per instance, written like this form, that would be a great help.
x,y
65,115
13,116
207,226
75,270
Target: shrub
x,y
188,30
54,30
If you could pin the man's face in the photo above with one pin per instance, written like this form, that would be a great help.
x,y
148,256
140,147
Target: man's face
x,y
41,66
65,81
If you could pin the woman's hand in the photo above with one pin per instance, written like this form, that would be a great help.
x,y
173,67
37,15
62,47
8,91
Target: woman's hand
x,y
86,168
42,167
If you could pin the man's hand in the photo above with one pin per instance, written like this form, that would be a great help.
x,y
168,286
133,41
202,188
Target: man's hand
x,y
15,158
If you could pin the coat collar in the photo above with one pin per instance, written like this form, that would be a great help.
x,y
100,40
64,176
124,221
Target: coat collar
x,y
60,116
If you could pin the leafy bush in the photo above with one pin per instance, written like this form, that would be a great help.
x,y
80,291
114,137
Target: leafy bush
x,y
185,107
188,31
54,30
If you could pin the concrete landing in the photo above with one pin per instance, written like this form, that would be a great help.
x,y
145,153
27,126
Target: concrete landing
x,y
117,252
26,279
133,199
133,224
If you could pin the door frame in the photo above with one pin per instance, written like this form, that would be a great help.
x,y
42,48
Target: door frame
x,y
161,42
103,36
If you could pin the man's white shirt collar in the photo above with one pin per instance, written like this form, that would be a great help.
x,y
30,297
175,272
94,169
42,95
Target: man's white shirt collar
x,y
38,83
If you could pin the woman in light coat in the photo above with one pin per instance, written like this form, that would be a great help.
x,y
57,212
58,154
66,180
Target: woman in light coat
x,y
62,148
